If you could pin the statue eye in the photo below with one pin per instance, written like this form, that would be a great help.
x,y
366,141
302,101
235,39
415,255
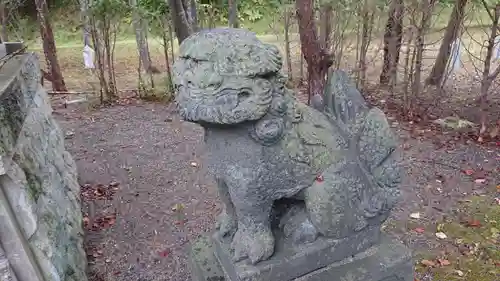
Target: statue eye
x,y
243,94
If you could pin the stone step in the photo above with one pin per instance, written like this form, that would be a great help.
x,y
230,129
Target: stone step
x,y
6,273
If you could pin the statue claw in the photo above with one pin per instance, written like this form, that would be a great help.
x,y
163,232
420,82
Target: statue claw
x,y
257,245
226,224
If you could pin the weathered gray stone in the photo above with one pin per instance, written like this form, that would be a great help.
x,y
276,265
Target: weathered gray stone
x,y
291,261
386,261
40,206
6,273
7,48
204,265
337,164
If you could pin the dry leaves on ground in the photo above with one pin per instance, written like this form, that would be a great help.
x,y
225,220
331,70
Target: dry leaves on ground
x,y
99,191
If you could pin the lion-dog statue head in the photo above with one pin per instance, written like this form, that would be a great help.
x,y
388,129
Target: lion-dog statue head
x,y
227,77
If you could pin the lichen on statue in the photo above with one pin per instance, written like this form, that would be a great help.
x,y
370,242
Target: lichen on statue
x,y
264,145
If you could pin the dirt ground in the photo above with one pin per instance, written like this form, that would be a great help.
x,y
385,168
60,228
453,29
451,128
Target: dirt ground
x,y
137,161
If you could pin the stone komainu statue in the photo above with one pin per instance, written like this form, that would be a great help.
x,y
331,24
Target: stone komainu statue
x,y
337,166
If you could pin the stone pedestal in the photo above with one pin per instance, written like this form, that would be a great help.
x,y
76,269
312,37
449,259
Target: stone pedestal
x,y
367,256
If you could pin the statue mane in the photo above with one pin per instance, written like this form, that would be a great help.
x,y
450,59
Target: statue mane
x,y
226,76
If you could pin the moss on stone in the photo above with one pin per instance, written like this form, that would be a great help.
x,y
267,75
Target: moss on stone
x,y
69,271
34,185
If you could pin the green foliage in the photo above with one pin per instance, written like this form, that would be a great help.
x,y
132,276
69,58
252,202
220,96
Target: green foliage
x,y
109,9
254,10
256,15
153,7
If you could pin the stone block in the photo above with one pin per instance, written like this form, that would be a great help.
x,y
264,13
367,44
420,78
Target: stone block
x,y
204,264
292,261
320,261
388,261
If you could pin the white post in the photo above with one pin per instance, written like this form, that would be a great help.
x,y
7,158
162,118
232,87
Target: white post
x,y
454,61
496,55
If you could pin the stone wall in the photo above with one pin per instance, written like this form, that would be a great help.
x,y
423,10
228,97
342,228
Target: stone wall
x,y
41,232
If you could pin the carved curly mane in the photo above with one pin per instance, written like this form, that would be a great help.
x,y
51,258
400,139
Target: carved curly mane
x,y
225,76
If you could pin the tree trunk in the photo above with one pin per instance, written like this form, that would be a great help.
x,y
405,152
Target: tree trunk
x,y
426,8
392,43
3,23
166,23
194,15
99,52
317,59
233,13
49,46
140,26
451,34
326,25
84,17
365,39
488,76
288,56
181,12
171,39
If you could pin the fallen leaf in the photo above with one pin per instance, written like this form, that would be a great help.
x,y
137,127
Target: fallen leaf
x,y
428,263
104,222
444,262
178,207
469,172
480,180
415,215
440,227
494,132
181,222
86,221
419,230
459,273
495,233
441,235
164,253
474,223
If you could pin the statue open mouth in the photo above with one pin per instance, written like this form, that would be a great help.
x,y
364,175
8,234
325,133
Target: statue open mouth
x,y
226,106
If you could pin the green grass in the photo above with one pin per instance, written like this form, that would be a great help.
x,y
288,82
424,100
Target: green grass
x,y
474,250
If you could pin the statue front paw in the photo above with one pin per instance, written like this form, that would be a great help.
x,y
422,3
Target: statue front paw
x,y
257,245
226,223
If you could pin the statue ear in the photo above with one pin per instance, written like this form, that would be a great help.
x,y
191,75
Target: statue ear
x,y
268,131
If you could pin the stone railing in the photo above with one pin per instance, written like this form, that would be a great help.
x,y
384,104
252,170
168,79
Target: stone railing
x,y
41,232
